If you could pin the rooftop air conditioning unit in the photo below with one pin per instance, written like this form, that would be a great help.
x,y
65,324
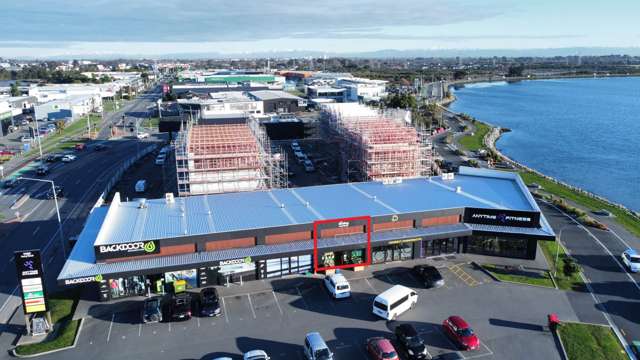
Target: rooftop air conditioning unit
x,y
169,198
142,204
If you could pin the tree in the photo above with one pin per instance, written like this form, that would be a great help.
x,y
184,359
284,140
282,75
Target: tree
x,y
459,74
402,101
515,71
15,89
60,124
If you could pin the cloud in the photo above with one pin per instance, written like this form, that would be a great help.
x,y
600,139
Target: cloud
x,y
224,20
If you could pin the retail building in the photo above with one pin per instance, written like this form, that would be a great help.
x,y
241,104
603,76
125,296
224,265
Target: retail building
x,y
133,248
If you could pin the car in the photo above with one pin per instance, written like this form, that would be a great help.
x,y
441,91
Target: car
x,y
209,302
142,135
80,147
602,212
24,122
380,348
42,170
300,156
315,348
141,186
9,183
635,347
68,158
428,275
337,285
100,147
461,333
152,310
410,342
255,355
181,306
51,158
631,259
308,166
160,160
59,193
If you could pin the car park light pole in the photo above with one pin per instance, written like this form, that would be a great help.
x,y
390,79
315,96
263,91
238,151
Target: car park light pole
x,y
55,200
37,133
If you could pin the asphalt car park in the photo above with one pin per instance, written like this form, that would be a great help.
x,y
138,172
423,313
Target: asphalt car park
x,y
509,319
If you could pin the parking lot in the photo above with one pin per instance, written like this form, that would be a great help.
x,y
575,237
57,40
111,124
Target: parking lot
x,y
275,315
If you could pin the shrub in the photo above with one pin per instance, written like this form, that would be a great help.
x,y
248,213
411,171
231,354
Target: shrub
x,y
570,266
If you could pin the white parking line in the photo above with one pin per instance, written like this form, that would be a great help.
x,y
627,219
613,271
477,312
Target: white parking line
x,y
198,319
371,286
388,278
36,230
226,314
169,326
52,211
78,181
253,312
140,330
110,326
277,302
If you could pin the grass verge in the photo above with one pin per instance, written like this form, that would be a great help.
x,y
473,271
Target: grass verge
x,y
151,123
564,281
53,142
62,307
519,277
475,142
585,341
625,219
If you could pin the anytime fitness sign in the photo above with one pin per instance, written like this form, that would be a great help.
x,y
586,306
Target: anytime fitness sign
x,y
527,219
127,249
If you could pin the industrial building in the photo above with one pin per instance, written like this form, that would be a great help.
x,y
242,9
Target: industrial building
x,y
375,145
70,107
132,248
362,90
279,101
221,105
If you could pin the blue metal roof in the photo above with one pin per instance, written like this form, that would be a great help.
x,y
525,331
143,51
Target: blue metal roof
x,y
208,214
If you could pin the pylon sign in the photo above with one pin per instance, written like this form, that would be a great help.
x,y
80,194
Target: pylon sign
x,y
31,281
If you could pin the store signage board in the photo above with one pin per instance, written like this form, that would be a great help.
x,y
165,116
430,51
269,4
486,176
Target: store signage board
x,y
30,278
528,219
404,241
136,248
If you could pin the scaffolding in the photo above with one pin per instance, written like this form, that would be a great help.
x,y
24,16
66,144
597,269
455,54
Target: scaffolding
x,y
218,158
377,145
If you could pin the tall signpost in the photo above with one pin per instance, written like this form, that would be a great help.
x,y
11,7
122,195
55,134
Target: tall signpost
x,y
31,280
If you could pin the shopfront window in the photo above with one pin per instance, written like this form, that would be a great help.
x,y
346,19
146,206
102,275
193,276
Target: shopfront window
x,y
127,286
378,255
189,276
285,266
439,247
497,246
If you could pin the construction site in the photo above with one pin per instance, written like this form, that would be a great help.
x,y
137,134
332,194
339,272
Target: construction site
x,y
376,145
227,157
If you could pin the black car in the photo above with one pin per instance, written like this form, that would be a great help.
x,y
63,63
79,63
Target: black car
x,y
42,170
10,183
429,275
209,302
152,310
59,193
100,147
410,342
181,306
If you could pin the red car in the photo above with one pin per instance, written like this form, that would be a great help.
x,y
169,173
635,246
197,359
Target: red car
x,y
381,349
459,331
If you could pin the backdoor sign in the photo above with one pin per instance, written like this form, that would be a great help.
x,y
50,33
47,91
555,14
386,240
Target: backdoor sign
x,y
31,280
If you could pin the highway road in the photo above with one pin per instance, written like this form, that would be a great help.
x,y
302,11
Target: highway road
x,y
83,180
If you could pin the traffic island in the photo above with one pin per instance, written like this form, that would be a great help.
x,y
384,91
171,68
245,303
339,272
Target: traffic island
x,y
589,341
65,329
519,275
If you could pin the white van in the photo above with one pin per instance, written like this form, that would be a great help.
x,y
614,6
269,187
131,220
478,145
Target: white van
x,y
338,286
394,301
141,186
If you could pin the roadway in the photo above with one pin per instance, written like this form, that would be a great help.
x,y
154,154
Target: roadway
x,y
83,181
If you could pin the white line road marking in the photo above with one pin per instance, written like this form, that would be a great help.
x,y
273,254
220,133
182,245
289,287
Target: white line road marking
x,y
302,298
11,259
198,319
388,278
169,326
36,230
277,302
110,326
52,211
78,181
140,330
226,314
50,260
371,286
251,306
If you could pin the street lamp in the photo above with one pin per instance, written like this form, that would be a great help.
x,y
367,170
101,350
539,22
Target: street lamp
x,y
558,244
55,199
37,133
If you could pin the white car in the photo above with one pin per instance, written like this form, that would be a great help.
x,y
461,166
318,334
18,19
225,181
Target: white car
x,y
68,158
631,259
160,159
256,355
142,135
338,286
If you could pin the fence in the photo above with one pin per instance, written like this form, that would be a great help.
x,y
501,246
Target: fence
x,y
120,172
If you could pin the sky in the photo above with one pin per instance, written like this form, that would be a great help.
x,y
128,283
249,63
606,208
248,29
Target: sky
x,y
48,28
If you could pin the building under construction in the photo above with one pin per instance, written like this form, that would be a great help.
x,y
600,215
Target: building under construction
x,y
227,157
377,145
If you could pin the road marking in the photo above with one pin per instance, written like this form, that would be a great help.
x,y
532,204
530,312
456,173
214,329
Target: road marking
x,y
50,260
251,306
110,326
277,302
169,326
389,279
140,330
371,286
226,314
198,319
36,230
78,181
52,211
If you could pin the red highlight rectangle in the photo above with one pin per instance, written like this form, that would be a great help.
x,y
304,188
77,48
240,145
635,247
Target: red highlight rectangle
x,y
347,266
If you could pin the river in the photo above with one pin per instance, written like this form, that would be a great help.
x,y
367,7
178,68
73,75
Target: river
x,y
585,132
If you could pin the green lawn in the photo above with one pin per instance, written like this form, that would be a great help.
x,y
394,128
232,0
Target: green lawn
x,y
150,123
62,307
56,141
573,282
475,142
622,217
108,106
593,342
504,275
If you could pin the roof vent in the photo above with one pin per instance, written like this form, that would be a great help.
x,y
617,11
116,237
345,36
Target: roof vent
x,y
458,189
169,198
281,205
375,197
306,203
142,204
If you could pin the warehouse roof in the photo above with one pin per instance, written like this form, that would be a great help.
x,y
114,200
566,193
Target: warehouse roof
x,y
208,214
273,95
